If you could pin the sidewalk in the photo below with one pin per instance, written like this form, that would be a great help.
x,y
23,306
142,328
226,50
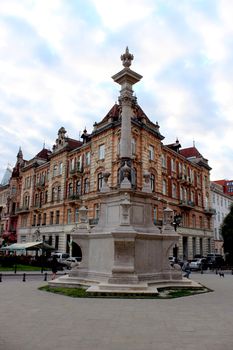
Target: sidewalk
x,y
35,320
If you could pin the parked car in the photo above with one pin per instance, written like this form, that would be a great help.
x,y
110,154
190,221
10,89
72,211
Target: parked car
x,y
71,262
172,261
61,257
198,264
215,260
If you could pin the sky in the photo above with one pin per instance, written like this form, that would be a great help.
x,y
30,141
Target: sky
x,y
57,58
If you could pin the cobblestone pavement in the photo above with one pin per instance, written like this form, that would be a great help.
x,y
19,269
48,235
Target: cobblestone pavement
x,y
34,320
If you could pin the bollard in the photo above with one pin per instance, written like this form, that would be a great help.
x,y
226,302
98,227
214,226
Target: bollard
x,y
24,277
0,277
45,276
15,268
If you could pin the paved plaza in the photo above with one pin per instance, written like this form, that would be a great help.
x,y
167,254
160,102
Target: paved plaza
x,y
34,320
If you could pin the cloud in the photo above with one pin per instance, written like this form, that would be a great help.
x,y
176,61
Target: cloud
x,y
57,58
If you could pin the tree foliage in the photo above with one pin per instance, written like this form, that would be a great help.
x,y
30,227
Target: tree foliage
x,y
227,234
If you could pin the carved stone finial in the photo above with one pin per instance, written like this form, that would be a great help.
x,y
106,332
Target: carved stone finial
x,y
127,58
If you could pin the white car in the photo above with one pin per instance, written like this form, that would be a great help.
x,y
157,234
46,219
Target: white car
x,y
71,262
196,264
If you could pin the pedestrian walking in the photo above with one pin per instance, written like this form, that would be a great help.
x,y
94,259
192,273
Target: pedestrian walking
x,y
186,269
54,267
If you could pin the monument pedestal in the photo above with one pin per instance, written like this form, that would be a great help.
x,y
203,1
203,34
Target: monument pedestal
x,y
125,252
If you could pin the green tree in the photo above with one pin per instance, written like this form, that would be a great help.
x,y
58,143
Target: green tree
x,y
227,234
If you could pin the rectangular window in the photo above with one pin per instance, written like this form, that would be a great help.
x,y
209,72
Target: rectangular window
x,y
60,168
101,151
57,217
164,187
151,152
155,215
51,218
44,219
68,216
79,165
163,161
97,210
88,158
173,165
133,146
76,215
55,170
39,220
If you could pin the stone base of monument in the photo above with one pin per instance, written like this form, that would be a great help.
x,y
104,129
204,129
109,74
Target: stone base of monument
x,y
125,253
109,289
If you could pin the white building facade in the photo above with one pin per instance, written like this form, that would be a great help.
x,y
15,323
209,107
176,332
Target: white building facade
x,y
221,203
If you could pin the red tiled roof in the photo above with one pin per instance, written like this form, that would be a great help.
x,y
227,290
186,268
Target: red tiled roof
x,y
74,143
44,153
190,152
221,182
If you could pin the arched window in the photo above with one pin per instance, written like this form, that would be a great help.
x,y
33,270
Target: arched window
x,y
26,200
53,194
152,182
174,192
70,189
99,181
86,185
59,193
78,187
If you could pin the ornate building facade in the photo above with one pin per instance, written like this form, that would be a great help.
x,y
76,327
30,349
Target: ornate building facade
x,y
54,185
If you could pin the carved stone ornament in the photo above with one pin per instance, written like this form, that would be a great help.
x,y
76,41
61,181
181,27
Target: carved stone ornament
x,y
127,58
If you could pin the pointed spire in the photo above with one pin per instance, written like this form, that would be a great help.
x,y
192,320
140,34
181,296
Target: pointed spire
x,y
20,154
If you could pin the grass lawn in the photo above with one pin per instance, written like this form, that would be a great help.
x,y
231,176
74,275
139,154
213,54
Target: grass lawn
x,y
21,268
165,293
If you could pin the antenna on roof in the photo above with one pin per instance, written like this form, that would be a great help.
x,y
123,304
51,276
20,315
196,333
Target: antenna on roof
x,y
44,145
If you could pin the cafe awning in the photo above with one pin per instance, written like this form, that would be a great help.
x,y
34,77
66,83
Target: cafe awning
x,y
27,246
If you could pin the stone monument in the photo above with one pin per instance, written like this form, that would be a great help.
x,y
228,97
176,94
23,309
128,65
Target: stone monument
x,y
125,252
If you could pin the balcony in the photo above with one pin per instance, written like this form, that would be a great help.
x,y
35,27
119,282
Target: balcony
x,y
22,210
37,207
40,185
76,171
72,199
210,211
186,204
